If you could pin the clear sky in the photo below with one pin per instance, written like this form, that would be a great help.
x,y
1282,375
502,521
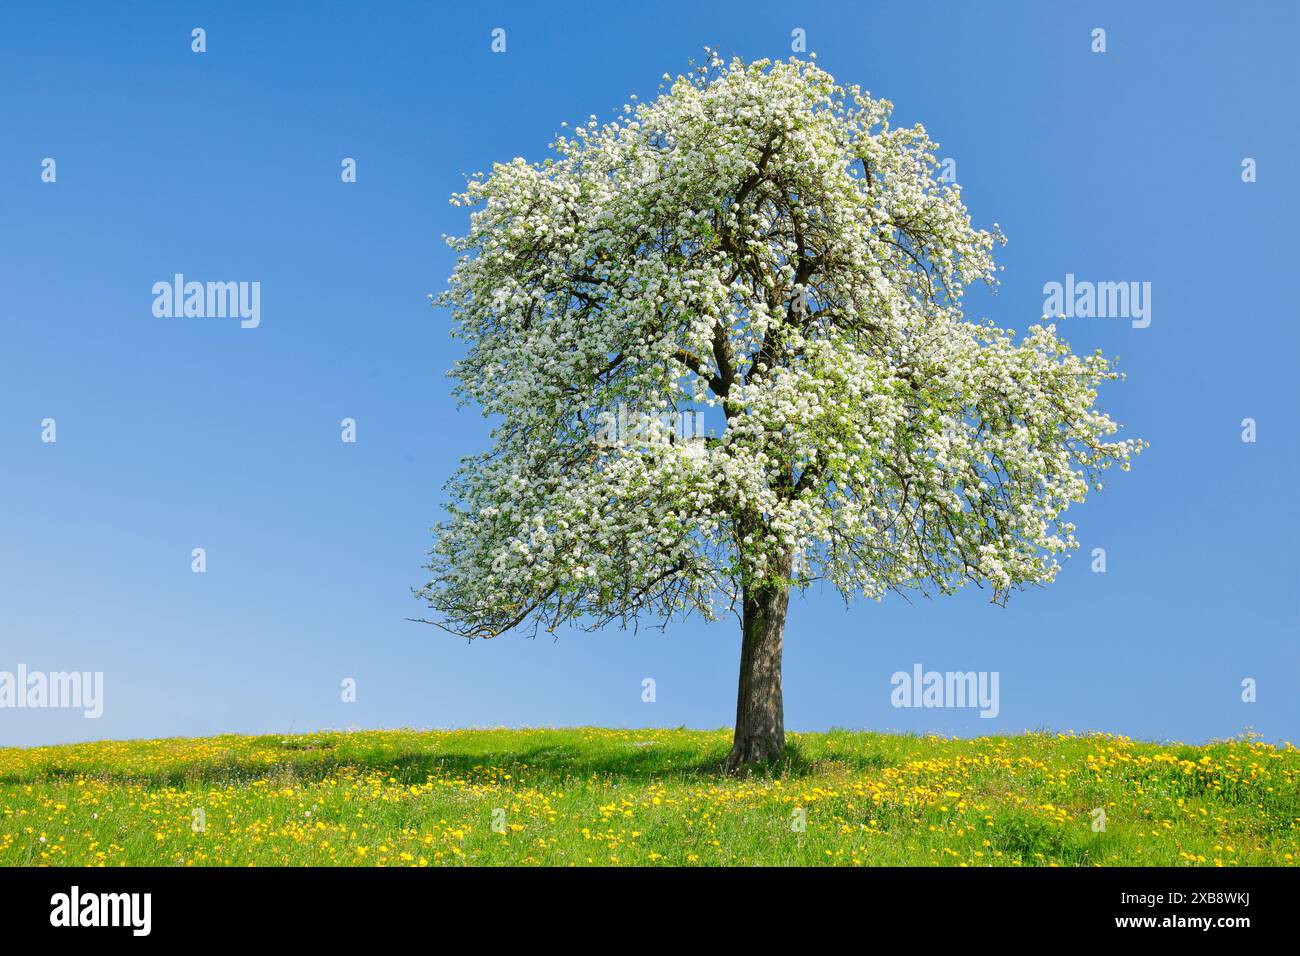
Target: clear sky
x,y
175,434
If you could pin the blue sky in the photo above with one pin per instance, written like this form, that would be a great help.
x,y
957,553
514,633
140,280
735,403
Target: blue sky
x,y
175,434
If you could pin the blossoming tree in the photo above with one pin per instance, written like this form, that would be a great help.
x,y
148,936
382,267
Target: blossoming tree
x,y
758,245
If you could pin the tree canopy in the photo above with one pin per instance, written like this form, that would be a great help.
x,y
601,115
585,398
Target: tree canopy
x,y
762,246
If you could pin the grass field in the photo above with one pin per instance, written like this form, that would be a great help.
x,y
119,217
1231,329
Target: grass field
x,y
647,797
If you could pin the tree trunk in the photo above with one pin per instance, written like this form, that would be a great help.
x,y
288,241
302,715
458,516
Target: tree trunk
x,y
760,719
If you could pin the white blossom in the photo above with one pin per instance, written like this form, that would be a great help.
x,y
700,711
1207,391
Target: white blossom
x,y
761,242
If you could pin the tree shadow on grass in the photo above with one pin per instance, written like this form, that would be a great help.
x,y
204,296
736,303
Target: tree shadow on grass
x,y
799,762
549,764
542,765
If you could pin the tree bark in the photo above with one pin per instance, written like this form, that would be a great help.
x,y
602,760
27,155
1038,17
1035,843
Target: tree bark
x,y
760,718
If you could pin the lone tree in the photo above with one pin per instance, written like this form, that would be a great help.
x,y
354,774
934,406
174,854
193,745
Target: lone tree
x,y
758,247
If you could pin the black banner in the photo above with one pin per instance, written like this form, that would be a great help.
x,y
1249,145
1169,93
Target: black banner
x,y
333,905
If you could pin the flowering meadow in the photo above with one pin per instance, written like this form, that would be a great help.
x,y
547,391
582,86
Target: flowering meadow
x,y
599,797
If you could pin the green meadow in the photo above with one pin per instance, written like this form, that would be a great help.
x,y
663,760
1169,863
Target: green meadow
x,y
600,797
